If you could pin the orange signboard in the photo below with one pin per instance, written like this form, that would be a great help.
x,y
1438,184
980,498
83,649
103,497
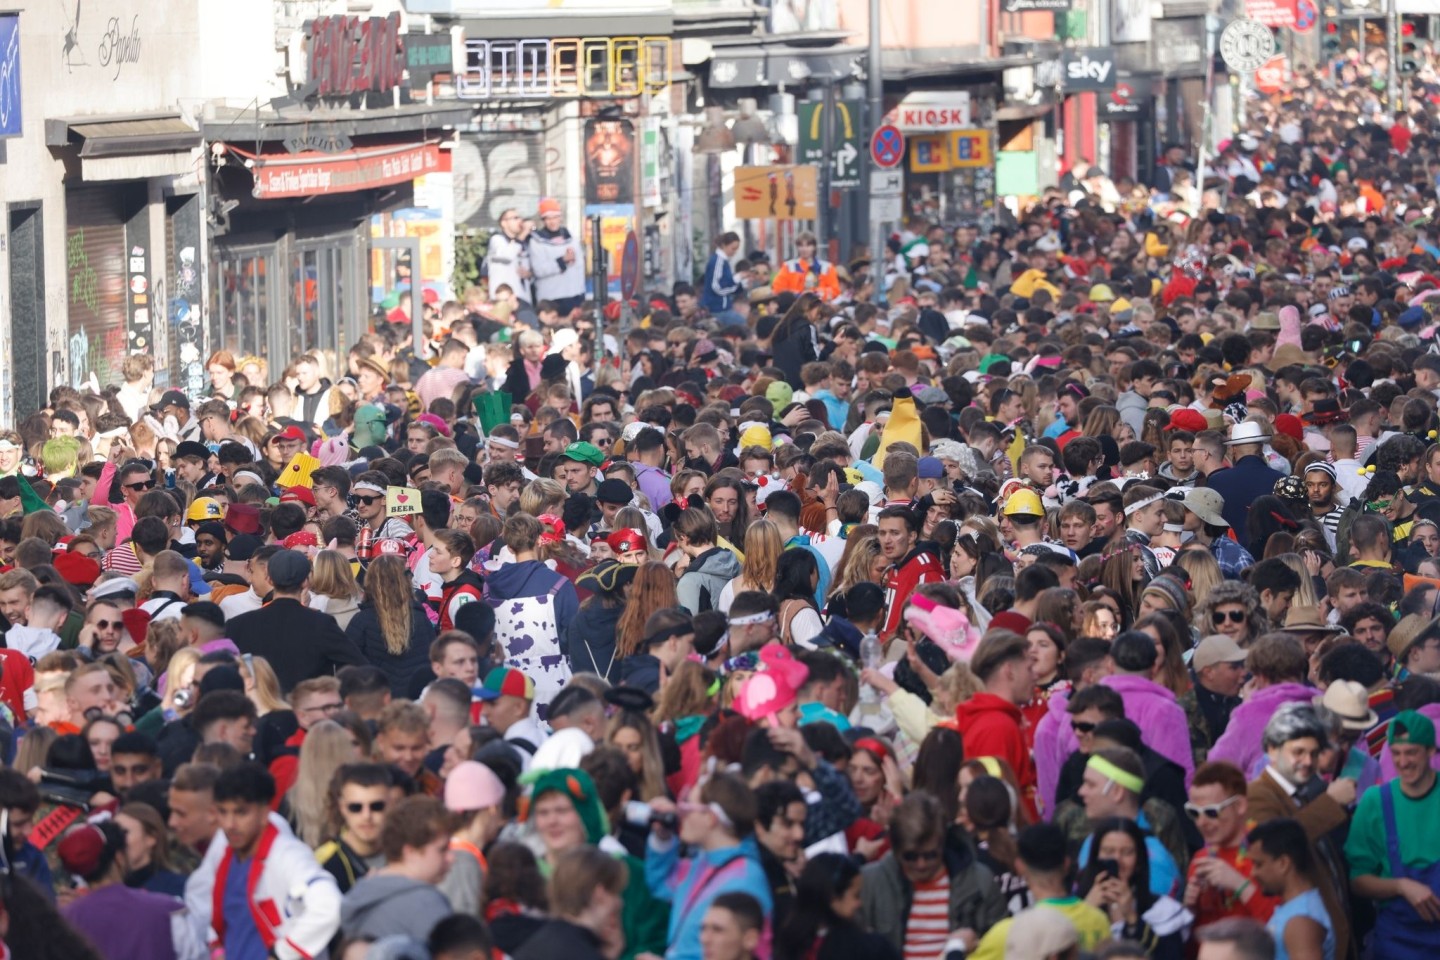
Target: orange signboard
x,y
789,192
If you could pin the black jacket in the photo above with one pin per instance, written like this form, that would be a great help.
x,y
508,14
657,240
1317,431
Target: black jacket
x,y
589,640
517,381
298,642
560,938
365,633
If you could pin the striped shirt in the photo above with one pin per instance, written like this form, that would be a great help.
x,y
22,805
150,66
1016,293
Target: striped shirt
x,y
928,926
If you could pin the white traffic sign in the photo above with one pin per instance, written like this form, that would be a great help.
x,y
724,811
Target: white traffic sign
x,y
886,183
847,169
885,209
1246,45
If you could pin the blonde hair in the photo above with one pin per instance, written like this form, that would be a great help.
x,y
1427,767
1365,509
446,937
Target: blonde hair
x,y
333,577
686,693
387,587
265,689
763,547
541,497
327,747
181,660
163,639
652,767
1305,595
862,546
1204,572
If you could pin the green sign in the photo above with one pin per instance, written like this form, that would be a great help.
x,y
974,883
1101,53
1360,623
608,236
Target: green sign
x,y
845,153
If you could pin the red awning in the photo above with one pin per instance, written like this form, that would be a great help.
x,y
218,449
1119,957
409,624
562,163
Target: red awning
x,y
314,174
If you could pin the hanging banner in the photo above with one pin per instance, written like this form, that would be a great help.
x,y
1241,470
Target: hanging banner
x,y
319,174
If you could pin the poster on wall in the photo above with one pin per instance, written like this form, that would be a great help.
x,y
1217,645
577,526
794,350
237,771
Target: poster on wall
x,y
609,161
429,227
1130,21
616,222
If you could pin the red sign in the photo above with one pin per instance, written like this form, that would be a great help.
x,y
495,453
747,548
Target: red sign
x,y
922,117
317,174
887,147
349,55
1307,14
1272,13
1274,76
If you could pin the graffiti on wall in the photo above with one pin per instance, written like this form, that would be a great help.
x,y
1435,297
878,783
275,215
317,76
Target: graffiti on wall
x,y
184,316
84,282
119,47
495,174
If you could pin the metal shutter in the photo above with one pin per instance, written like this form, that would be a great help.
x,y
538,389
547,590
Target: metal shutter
x,y
97,278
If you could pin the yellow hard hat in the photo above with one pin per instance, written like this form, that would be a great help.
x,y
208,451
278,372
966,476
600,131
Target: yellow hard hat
x,y
204,508
1024,503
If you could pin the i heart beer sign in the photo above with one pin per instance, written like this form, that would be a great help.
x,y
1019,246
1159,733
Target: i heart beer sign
x,y
400,501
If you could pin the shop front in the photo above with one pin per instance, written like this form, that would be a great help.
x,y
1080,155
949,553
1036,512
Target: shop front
x,y
950,166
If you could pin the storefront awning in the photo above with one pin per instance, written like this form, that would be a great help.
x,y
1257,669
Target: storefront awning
x,y
315,174
318,124
123,136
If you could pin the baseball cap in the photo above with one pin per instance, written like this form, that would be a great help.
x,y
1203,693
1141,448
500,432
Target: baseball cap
x,y
582,452
472,786
297,495
1214,649
614,490
1410,726
506,682
930,468
291,432
172,398
288,569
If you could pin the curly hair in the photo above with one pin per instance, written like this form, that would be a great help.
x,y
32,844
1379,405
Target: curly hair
x,y
1232,591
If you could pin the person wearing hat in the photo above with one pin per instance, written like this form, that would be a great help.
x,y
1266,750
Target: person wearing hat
x,y
556,260
1218,666
1207,525
174,419
1322,490
1021,516
580,461
589,637
1393,846
1248,478
154,925
476,796
192,462
297,641
1415,646
371,375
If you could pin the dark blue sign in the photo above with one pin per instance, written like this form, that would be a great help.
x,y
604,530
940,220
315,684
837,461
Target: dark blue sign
x,y
10,125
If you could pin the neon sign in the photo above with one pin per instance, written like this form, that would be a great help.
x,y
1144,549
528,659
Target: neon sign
x,y
571,67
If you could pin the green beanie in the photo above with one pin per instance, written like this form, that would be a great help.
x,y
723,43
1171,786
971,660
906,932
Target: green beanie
x,y
577,785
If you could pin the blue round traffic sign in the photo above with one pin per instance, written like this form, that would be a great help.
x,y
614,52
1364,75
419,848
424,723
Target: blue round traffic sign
x,y
887,146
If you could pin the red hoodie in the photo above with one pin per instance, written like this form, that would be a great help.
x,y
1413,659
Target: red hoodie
x,y
990,726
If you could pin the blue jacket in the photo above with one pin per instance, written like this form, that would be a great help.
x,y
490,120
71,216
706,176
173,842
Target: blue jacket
x,y
719,286
836,410
1241,485
822,586
690,885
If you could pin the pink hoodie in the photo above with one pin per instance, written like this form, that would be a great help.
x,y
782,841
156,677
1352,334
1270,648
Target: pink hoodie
x,y
1054,742
1242,741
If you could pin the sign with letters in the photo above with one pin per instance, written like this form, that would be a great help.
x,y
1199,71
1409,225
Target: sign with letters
x,y
1089,69
564,68
10,116
844,148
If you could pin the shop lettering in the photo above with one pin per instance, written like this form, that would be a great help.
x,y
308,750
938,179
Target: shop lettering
x,y
572,67
350,56
933,118
118,48
1096,71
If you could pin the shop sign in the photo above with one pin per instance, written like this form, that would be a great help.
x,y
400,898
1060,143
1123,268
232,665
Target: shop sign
x,y
845,150
570,67
427,54
1131,99
1179,44
1274,75
932,112
317,174
929,153
1271,13
788,192
970,148
1089,69
351,55
10,116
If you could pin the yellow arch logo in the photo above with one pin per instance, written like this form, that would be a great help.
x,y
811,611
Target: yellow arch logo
x,y
820,112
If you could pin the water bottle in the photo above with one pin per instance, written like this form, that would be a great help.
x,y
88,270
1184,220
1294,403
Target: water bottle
x,y
871,654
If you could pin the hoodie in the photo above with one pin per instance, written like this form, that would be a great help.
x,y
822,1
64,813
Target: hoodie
x,y
1054,742
699,587
1162,721
1241,743
990,727
691,885
382,905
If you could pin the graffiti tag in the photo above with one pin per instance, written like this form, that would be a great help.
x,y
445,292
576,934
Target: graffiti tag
x,y
119,48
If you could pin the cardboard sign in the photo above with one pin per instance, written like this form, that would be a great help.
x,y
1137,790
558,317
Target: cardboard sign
x,y
400,501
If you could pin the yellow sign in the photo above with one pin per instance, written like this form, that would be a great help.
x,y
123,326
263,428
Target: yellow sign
x,y
971,148
401,501
777,193
929,153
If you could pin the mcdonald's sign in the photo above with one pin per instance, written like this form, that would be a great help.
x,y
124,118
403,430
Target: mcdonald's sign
x,y
845,153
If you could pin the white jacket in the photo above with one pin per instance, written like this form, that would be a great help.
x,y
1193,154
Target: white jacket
x,y
503,259
295,905
554,278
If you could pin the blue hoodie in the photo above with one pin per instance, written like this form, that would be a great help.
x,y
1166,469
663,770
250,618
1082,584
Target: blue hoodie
x,y
532,578
691,885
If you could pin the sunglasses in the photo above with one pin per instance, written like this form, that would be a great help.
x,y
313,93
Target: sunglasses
x,y
1234,616
142,485
366,501
1210,812
916,856
1081,726
376,806
108,624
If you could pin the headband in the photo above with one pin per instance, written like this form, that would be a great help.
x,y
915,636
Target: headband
x,y
678,630
763,616
1114,774
8,444
367,485
108,434
255,477
503,442
1174,528
1139,505
872,746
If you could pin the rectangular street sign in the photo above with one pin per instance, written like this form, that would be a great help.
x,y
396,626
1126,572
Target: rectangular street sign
x,y
845,152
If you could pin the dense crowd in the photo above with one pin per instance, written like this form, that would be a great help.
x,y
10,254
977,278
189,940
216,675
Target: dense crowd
x,y
1078,597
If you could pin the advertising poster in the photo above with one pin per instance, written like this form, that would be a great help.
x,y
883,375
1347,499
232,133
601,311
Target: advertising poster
x,y
609,161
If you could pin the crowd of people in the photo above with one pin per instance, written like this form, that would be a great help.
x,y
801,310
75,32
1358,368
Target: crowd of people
x,y
1077,597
